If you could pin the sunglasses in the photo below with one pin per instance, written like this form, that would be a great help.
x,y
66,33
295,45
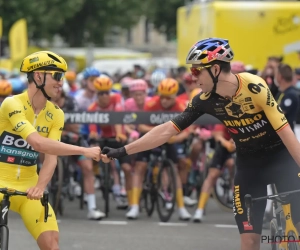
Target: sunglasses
x,y
103,93
56,75
197,70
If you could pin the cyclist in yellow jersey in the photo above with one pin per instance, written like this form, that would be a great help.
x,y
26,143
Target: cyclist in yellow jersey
x,y
29,124
266,147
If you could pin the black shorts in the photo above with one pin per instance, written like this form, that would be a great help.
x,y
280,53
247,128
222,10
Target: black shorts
x,y
221,155
252,177
171,152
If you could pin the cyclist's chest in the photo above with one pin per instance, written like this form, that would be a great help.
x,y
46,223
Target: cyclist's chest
x,y
41,122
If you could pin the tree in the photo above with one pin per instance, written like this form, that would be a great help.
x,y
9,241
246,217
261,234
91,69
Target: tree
x,y
96,19
43,17
163,14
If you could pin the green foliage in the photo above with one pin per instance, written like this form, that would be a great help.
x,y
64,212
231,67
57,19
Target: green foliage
x,y
163,15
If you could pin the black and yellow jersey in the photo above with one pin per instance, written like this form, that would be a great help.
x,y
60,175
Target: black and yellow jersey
x,y
17,122
252,116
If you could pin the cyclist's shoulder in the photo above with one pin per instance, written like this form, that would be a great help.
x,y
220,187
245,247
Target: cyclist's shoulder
x,y
54,109
13,101
248,82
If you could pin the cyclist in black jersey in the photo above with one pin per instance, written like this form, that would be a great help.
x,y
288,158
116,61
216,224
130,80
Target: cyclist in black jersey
x,y
267,149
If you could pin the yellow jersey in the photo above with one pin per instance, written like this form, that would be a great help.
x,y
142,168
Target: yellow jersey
x,y
17,122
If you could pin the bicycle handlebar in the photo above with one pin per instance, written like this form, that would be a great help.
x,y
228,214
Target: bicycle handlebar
x,y
249,200
44,200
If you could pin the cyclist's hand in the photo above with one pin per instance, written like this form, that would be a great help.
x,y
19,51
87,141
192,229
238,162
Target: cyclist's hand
x,y
109,153
93,153
35,193
121,137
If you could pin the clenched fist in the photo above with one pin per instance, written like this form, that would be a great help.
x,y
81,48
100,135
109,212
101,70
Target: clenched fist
x,y
93,153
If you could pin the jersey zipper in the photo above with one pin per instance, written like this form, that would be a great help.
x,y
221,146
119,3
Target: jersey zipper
x,y
19,167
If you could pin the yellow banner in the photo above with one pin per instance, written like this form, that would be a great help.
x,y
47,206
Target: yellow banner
x,y
1,27
18,40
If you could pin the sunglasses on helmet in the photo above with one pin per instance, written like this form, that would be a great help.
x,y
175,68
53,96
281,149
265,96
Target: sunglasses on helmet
x,y
195,71
56,75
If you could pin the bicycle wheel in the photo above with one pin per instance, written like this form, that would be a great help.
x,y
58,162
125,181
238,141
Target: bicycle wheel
x,y
292,238
56,186
149,193
223,191
166,191
274,233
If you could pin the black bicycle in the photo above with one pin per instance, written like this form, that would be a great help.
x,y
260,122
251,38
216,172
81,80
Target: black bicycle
x,y
283,232
5,204
62,181
160,185
106,180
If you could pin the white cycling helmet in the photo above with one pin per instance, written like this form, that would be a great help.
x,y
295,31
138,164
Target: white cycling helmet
x,y
157,76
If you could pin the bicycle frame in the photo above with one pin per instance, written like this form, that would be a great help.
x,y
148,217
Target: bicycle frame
x,y
5,205
283,230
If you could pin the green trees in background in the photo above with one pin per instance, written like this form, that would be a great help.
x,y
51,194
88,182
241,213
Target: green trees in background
x,y
82,21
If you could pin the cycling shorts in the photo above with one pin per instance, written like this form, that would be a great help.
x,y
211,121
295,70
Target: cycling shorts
x,y
31,211
253,175
221,155
171,152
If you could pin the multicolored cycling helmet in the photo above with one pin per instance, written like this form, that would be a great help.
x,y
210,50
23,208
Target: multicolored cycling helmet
x,y
91,72
138,85
157,76
208,51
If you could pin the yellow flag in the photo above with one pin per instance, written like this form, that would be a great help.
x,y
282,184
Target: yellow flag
x,y
0,27
18,40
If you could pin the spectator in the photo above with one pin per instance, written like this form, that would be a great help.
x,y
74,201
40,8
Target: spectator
x,y
287,96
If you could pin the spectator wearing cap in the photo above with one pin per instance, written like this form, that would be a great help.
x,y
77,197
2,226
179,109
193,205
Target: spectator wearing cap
x,y
287,97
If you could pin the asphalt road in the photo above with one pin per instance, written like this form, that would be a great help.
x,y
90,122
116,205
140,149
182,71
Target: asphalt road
x,y
218,231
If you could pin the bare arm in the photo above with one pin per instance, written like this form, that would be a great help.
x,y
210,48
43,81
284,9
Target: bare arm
x,y
47,170
142,128
154,138
290,141
48,146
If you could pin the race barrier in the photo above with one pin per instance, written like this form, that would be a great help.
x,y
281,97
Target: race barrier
x,y
151,118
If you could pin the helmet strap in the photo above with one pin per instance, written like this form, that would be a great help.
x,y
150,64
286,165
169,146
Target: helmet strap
x,y
41,87
214,78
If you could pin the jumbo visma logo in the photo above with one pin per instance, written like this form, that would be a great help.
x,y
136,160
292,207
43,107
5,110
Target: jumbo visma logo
x,y
247,124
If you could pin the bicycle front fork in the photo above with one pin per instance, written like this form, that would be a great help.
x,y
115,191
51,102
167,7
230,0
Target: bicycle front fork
x,y
5,204
4,231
